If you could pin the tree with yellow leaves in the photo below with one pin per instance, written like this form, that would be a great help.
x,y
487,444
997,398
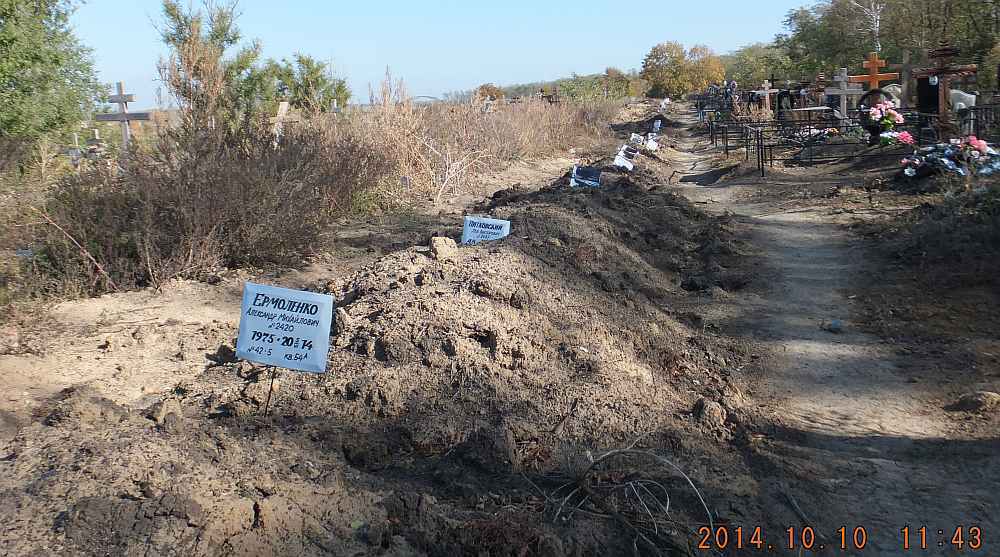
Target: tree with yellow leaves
x,y
664,69
704,68
672,72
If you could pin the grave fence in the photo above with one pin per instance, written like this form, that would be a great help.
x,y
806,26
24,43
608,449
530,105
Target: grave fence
x,y
809,143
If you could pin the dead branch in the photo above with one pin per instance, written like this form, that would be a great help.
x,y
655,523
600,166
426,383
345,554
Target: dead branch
x,y
83,250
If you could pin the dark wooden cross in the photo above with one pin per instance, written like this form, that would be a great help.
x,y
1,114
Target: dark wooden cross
x,y
874,79
945,71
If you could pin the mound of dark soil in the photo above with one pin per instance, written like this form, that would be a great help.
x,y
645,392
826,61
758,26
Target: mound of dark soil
x,y
466,388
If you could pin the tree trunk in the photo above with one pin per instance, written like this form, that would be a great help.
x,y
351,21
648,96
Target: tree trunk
x,y
904,79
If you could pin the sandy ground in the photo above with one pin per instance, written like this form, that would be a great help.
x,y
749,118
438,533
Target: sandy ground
x,y
386,456
862,435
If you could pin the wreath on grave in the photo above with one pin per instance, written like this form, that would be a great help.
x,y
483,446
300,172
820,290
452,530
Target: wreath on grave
x,y
968,157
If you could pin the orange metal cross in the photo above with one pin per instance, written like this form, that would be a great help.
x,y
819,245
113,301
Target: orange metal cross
x,y
874,79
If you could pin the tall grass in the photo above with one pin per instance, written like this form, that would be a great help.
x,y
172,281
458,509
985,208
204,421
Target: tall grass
x,y
204,196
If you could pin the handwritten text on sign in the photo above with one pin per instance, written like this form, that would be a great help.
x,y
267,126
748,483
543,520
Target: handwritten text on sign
x,y
478,229
285,328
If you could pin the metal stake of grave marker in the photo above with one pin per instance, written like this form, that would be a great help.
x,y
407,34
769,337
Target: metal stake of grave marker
x,y
270,389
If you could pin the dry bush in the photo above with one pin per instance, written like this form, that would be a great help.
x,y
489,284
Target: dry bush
x,y
204,196
200,199
438,148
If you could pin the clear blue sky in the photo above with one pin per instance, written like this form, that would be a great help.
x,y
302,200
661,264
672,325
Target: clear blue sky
x,y
439,46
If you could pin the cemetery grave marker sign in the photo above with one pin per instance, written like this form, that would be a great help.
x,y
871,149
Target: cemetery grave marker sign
x,y
285,328
481,229
766,92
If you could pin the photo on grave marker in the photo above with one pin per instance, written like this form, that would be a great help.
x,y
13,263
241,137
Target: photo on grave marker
x,y
482,229
585,176
285,328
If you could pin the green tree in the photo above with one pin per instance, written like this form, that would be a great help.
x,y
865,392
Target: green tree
x,y
664,68
47,79
206,83
752,64
308,84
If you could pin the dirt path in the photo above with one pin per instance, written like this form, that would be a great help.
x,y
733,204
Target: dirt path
x,y
855,438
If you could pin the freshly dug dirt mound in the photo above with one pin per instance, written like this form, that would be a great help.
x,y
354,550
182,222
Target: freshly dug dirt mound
x,y
467,386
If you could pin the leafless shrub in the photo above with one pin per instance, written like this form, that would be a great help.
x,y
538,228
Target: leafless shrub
x,y
627,486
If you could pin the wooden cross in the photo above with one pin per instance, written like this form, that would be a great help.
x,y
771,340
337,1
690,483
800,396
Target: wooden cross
x,y
278,121
766,91
123,115
945,72
874,79
844,89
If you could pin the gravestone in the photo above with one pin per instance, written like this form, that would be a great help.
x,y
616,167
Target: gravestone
x,y
482,229
928,98
285,328
585,176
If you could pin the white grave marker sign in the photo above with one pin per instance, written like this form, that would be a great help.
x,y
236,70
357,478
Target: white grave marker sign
x,y
480,229
621,161
635,139
285,328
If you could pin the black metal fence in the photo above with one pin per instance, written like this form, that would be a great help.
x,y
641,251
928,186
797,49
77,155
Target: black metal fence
x,y
807,143
982,122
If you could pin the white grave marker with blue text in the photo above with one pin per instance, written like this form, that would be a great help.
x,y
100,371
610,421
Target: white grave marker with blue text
x,y
480,229
285,328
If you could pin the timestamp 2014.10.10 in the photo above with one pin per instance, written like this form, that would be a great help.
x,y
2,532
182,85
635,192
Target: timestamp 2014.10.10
x,y
858,538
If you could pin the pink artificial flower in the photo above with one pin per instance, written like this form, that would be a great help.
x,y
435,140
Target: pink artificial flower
x,y
906,138
979,145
